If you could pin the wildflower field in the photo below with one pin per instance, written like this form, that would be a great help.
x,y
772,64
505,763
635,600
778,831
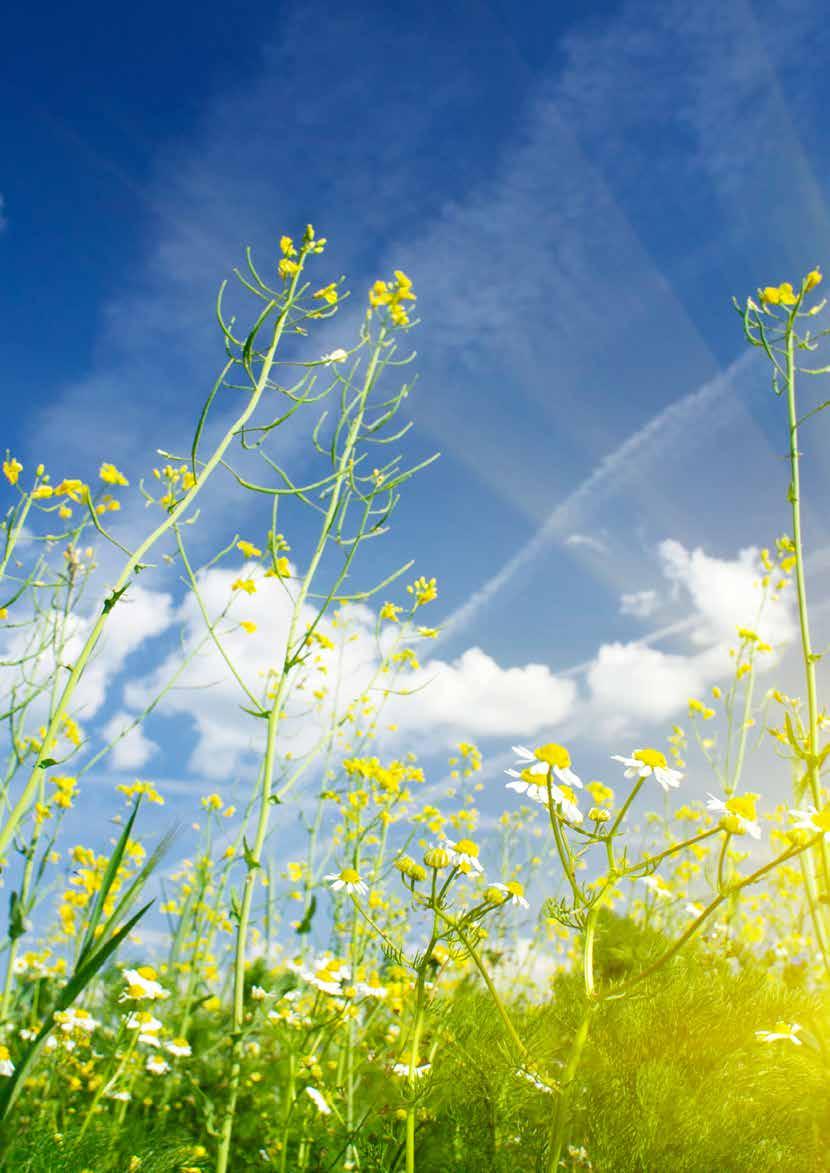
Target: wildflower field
x,y
637,980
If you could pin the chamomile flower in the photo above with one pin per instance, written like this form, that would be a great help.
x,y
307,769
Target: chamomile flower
x,y
318,1100
737,814
142,983
644,763
6,1065
72,1019
464,855
782,1030
144,1021
510,893
658,886
418,1072
811,820
348,880
524,784
179,1047
564,799
155,1065
549,756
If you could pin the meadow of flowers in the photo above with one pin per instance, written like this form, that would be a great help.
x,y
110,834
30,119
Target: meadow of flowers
x,y
625,991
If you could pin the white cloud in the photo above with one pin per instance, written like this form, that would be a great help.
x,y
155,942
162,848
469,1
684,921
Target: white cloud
x,y
139,615
726,594
586,540
640,604
472,696
130,752
633,683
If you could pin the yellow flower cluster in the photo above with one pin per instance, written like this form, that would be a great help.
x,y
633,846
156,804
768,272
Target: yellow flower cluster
x,y
391,295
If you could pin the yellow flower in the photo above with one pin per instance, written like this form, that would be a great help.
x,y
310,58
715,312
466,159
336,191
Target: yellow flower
x,y
248,549
244,584
146,788
287,268
813,278
287,246
379,294
390,611
328,294
12,469
248,625
111,475
424,591
212,802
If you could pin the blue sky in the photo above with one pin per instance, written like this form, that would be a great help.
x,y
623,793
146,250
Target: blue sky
x,y
576,196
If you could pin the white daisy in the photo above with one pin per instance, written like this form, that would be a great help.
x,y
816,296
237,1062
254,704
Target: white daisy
x,y
513,891
402,1069
646,762
812,820
464,855
348,880
564,800
737,814
782,1030
319,1100
155,1065
179,1047
142,983
547,756
658,886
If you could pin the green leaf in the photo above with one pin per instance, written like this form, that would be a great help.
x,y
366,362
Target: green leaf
x,y
305,924
110,602
17,918
46,763
83,975
250,859
792,739
107,882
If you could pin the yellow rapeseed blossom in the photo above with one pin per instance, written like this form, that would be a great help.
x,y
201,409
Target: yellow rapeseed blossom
x,y
244,584
424,591
248,625
145,788
12,469
813,278
248,549
110,474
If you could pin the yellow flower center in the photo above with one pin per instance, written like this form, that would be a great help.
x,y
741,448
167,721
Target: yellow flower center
x,y
822,819
147,972
649,757
467,847
567,793
515,888
743,805
554,755
349,876
4,1053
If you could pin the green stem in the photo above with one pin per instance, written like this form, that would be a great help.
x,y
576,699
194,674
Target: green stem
x,y
794,496
561,1113
268,768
